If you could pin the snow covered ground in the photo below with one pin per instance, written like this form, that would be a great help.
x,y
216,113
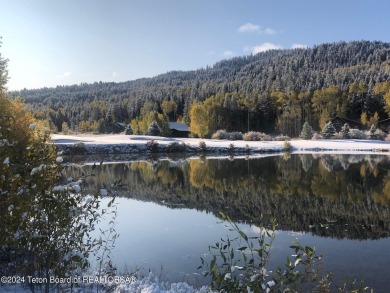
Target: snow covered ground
x,y
339,145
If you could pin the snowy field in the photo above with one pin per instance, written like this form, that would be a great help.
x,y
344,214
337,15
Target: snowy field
x,y
322,145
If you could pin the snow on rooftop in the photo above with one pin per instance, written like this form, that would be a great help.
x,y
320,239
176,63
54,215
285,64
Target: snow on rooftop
x,y
178,126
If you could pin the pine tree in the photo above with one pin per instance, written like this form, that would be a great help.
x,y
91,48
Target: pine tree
x,y
344,131
154,129
328,131
307,131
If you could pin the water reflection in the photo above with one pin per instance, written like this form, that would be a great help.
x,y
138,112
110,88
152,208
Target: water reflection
x,y
340,196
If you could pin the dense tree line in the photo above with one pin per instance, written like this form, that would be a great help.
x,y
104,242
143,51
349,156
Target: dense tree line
x,y
275,90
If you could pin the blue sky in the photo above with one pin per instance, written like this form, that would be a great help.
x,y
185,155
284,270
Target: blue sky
x,y
64,42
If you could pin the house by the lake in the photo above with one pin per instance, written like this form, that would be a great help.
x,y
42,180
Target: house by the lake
x,y
179,129
338,122
384,125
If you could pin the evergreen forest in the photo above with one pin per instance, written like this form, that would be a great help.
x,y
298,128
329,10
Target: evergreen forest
x,y
275,92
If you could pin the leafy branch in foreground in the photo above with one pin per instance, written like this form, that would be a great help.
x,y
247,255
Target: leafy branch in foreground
x,y
240,265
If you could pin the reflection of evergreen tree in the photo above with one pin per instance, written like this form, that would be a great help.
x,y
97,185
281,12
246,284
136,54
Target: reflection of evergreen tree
x,y
307,161
327,188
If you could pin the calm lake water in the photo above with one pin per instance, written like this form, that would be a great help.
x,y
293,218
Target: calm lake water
x,y
167,210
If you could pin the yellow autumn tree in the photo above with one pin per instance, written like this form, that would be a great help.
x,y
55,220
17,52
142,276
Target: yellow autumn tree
x,y
200,120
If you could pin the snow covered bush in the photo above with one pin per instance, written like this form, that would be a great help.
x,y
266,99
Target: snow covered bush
x,y
356,134
223,134
235,135
220,134
328,131
307,131
128,130
282,137
152,146
316,136
287,146
175,147
256,136
375,133
202,146
78,148
154,129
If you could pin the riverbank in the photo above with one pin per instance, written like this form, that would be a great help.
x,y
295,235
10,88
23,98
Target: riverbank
x,y
140,144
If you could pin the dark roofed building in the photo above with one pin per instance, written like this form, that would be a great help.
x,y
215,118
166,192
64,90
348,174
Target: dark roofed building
x,y
338,123
384,125
179,129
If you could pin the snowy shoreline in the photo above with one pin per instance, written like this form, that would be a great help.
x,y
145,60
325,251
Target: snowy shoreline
x,y
136,145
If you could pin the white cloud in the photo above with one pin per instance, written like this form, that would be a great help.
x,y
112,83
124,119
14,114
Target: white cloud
x,y
249,27
114,74
255,28
299,46
265,47
228,53
269,31
210,53
65,74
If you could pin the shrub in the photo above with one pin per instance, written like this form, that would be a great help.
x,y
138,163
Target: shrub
x,y
220,134
202,146
154,129
245,269
223,134
175,147
282,137
375,133
387,137
235,135
256,136
287,146
316,136
356,134
78,148
307,131
128,130
231,148
247,149
152,146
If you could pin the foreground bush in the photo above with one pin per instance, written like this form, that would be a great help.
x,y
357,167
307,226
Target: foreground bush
x,y
240,265
46,220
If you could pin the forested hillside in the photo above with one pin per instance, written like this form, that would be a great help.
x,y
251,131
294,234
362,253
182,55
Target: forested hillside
x,y
277,91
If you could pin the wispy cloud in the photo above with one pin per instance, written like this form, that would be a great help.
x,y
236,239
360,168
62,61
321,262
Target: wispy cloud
x,y
249,27
210,53
265,47
269,31
299,46
228,53
65,74
114,74
255,28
